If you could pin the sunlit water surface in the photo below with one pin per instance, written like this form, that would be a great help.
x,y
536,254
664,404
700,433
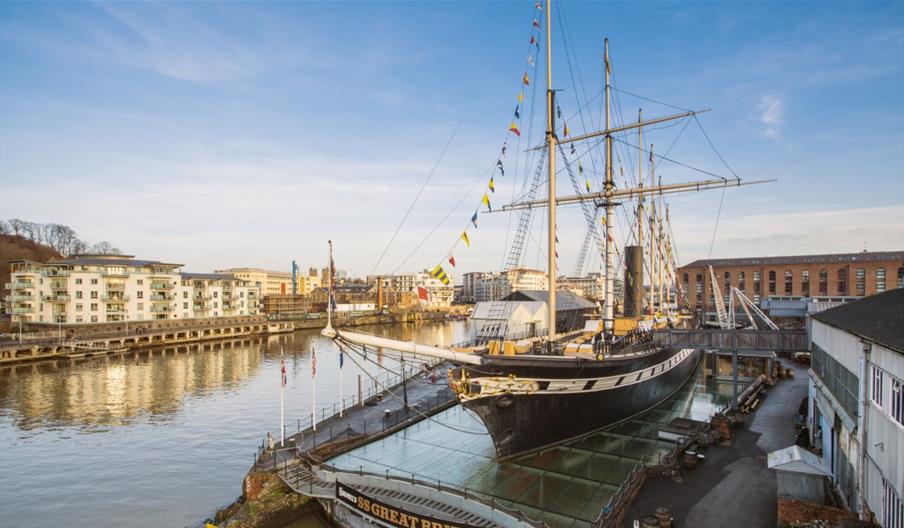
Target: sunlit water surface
x,y
156,439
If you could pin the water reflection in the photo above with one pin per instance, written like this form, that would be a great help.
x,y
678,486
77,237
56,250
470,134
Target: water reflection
x,y
164,435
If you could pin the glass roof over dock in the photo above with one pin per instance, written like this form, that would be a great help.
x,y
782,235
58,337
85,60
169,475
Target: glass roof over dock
x,y
565,486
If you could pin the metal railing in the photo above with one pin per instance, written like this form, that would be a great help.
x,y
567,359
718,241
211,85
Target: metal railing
x,y
613,509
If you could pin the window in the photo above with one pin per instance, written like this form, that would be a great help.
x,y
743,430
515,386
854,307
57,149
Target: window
x,y
94,295
861,282
140,282
823,282
93,281
901,277
741,278
140,295
79,319
897,401
805,283
842,275
880,280
756,282
78,294
185,306
79,307
771,283
141,306
756,299
215,294
215,304
185,295
78,281
789,282
876,386
93,307
93,318
893,509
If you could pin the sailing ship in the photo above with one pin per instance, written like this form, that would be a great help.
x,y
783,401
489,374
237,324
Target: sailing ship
x,y
538,392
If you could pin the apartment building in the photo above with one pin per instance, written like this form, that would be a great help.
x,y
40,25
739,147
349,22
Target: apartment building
x,y
439,295
276,282
113,288
591,286
803,276
491,286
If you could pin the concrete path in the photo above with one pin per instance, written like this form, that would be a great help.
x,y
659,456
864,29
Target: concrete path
x,y
733,488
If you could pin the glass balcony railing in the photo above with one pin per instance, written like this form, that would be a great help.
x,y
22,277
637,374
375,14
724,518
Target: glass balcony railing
x,y
161,286
115,286
19,285
160,297
57,298
20,297
55,273
23,309
114,273
59,286
115,297
161,309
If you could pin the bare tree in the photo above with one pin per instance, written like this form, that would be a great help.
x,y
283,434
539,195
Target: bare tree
x,y
31,231
105,248
17,226
5,229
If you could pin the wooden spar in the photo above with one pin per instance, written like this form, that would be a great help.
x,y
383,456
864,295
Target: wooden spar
x,y
403,346
605,197
551,144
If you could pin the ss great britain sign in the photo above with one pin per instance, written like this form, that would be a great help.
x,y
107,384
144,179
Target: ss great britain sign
x,y
387,514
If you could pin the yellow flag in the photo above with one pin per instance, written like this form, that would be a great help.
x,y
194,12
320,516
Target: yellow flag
x,y
486,202
492,185
464,236
521,97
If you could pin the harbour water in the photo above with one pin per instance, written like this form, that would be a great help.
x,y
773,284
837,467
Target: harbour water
x,y
159,438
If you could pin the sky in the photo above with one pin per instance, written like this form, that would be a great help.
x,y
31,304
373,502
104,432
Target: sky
x,y
248,134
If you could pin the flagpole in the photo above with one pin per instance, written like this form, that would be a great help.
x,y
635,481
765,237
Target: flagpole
x,y
282,389
329,299
340,383
313,388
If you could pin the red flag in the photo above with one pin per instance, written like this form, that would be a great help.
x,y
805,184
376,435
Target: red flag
x,y
536,24
313,362
452,260
422,293
533,40
514,128
282,369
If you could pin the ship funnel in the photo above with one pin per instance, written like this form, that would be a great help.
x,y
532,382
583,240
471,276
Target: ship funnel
x,y
633,281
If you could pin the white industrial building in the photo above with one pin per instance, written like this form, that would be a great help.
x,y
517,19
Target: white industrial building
x,y
856,393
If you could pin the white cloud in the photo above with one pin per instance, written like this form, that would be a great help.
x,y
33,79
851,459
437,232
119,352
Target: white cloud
x,y
772,115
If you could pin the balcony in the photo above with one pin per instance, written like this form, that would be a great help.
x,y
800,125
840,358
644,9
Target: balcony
x,y
161,297
115,297
23,309
114,273
198,298
19,285
161,309
59,286
20,297
161,286
55,272
116,286
115,310
57,298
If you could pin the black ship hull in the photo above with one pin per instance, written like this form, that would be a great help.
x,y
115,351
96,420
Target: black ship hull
x,y
529,403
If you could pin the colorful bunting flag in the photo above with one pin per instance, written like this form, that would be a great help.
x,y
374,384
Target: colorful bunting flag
x,y
474,219
565,130
526,79
580,168
559,112
452,260
492,185
514,128
422,293
464,236
536,23
572,149
521,97
533,40
503,150
539,5
517,113
501,168
486,201
530,59
440,274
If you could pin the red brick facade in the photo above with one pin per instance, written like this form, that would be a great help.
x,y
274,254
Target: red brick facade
x,y
820,276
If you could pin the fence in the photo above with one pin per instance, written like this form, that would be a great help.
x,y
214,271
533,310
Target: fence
x,y
611,514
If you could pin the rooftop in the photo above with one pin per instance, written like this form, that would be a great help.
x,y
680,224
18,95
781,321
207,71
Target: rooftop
x,y
565,300
109,260
878,318
834,258
208,276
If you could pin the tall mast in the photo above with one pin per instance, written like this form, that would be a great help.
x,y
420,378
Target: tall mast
x,y
551,144
652,242
640,201
609,315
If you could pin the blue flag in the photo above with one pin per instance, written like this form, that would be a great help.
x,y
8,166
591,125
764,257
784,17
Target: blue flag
x,y
341,358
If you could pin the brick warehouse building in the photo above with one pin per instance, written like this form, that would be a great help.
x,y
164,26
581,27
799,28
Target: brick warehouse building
x,y
814,276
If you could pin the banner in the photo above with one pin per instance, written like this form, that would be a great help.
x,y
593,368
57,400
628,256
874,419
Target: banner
x,y
392,515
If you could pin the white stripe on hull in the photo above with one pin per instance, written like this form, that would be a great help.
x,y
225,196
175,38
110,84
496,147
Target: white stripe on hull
x,y
493,386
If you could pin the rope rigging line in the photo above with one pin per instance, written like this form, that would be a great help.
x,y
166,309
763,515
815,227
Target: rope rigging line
x,y
427,180
347,345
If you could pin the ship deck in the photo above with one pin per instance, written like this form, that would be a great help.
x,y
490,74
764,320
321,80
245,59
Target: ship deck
x,y
565,486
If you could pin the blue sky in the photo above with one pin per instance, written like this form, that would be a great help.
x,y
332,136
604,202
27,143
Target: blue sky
x,y
247,134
